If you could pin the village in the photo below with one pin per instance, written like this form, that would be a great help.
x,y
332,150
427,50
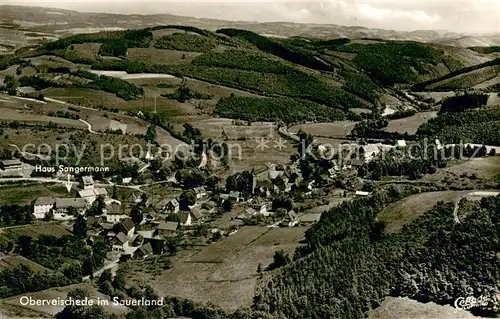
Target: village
x,y
161,217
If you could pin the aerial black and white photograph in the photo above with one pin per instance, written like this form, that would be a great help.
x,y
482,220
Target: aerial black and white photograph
x,y
268,159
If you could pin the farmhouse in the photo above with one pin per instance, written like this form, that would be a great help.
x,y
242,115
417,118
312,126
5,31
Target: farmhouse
x,y
114,214
172,206
144,251
90,194
197,214
25,90
165,228
42,206
120,242
126,226
62,204
260,205
11,164
236,196
200,192
290,219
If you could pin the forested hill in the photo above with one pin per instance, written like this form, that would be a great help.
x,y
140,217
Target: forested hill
x,y
331,76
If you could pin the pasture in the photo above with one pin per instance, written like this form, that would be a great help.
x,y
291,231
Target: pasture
x,y
333,129
225,273
408,209
409,124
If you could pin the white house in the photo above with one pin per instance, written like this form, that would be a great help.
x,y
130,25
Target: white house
x,y
290,219
361,193
114,214
63,204
87,182
90,195
401,143
200,192
42,206
120,242
438,144
261,206
236,196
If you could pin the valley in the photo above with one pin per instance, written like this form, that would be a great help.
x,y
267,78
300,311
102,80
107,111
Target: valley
x,y
246,170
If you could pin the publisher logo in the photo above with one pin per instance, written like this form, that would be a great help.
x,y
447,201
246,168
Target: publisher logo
x,y
471,302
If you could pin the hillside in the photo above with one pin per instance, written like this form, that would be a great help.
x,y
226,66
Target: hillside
x,y
481,76
397,308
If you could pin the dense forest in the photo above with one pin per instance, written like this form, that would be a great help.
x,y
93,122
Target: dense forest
x,y
129,38
423,159
21,279
121,88
394,62
186,42
477,126
273,47
349,264
361,85
12,215
66,259
464,102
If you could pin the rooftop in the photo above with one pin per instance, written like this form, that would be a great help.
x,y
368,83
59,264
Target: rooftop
x,y
122,238
45,201
70,202
311,217
172,226
197,214
93,192
127,224
11,162
100,191
86,193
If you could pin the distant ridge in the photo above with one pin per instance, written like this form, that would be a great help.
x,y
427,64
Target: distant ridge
x,y
64,22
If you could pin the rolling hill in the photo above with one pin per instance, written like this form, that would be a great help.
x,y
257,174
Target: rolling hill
x,y
28,24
